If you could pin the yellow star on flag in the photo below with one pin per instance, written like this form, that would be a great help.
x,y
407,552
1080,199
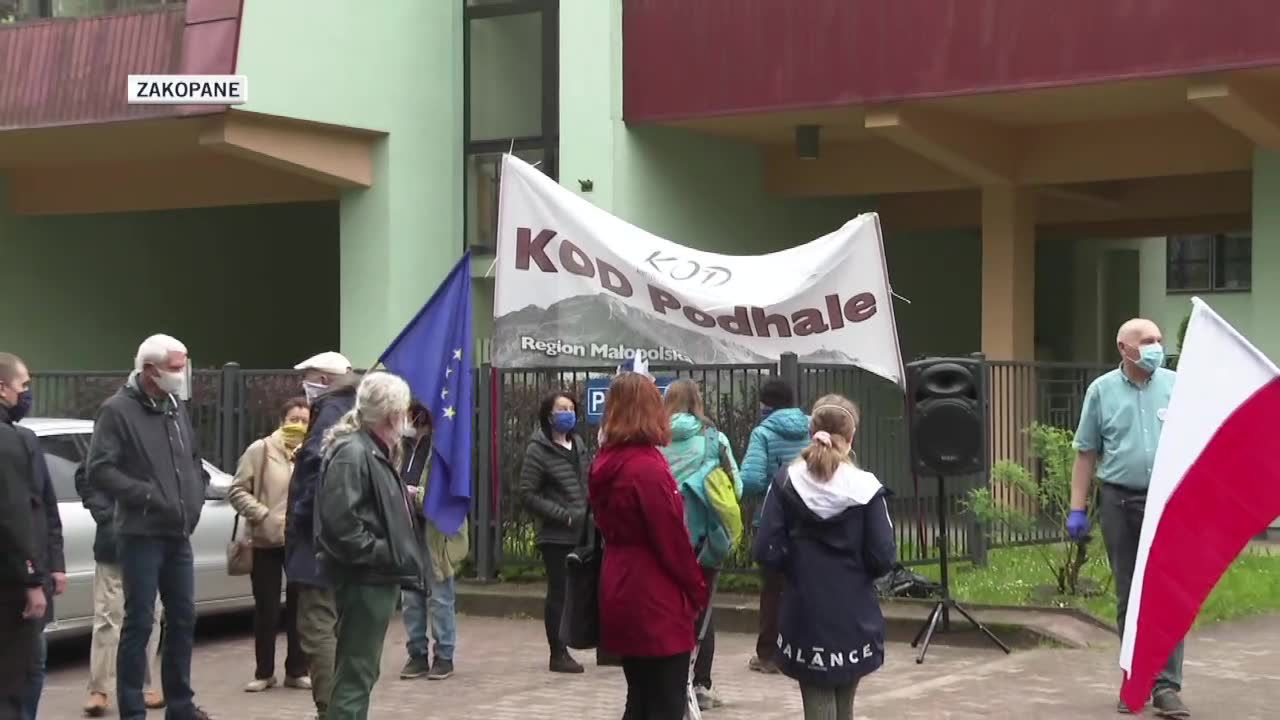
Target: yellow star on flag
x,y
457,354
449,412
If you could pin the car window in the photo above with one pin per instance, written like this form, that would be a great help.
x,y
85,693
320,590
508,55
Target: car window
x,y
62,453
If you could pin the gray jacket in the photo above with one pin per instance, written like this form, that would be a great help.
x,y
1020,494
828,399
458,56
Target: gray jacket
x,y
144,456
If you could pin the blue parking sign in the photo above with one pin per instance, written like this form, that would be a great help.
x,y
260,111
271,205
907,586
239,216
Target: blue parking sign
x,y
598,388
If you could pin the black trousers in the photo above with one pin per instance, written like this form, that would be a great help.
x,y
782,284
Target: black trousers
x,y
770,602
18,638
266,578
1122,511
656,687
707,647
554,557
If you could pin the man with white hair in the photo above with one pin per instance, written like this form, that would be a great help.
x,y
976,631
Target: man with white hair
x,y
365,534
144,456
330,386
1116,441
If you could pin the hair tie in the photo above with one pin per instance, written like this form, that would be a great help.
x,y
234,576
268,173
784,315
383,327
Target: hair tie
x,y
822,437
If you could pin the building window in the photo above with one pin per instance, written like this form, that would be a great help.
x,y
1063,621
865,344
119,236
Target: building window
x,y
1206,263
511,101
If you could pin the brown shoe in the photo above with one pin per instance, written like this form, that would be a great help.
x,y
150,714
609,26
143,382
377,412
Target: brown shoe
x,y
153,699
97,705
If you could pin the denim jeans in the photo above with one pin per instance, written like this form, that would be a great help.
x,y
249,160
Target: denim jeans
x,y
35,677
435,615
147,565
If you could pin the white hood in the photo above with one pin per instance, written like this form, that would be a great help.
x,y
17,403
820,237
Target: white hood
x,y
849,487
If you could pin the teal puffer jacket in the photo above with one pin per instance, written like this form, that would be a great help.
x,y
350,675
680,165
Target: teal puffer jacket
x,y
691,461
775,442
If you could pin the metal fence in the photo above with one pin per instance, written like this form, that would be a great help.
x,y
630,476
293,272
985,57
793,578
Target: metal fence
x,y
730,393
1020,395
231,407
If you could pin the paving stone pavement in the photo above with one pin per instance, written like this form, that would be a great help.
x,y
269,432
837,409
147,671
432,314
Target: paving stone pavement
x,y
1233,672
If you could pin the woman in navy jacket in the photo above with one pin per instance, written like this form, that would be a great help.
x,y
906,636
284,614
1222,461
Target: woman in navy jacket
x,y
826,529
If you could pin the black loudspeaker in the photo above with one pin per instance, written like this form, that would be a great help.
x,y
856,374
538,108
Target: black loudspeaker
x,y
948,423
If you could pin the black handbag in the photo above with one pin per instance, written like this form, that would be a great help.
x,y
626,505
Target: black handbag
x,y
580,619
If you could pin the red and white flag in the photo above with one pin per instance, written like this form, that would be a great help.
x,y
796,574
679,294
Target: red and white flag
x,y
1214,486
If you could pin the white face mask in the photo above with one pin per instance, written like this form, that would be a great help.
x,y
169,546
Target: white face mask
x,y
407,429
171,382
313,390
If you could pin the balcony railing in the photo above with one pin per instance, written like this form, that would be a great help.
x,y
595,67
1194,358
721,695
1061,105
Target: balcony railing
x,y
16,11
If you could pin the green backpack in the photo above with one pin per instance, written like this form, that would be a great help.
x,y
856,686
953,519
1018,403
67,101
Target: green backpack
x,y
721,494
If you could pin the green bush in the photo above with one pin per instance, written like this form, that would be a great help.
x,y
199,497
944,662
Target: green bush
x,y
1051,492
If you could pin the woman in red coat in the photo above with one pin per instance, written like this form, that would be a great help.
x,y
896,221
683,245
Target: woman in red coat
x,y
651,588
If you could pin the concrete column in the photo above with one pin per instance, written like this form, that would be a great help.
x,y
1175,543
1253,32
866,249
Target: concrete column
x,y
1266,252
1008,325
590,97
400,237
1008,273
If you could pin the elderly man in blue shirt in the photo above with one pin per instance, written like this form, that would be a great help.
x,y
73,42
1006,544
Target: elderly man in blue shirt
x,y
1120,425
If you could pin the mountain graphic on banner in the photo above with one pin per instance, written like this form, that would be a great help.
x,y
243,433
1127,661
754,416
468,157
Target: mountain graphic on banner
x,y
620,325
616,324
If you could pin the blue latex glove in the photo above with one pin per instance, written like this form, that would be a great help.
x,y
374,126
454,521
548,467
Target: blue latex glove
x,y
1078,524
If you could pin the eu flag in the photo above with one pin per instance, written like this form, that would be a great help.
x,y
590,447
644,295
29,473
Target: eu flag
x,y
434,355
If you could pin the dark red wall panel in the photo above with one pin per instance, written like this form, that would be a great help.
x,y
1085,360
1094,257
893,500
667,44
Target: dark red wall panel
x,y
684,58
73,71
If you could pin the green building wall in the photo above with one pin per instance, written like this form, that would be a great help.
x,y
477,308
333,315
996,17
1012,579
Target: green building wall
x,y
709,192
232,283
393,67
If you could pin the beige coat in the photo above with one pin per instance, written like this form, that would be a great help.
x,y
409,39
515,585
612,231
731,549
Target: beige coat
x,y
260,493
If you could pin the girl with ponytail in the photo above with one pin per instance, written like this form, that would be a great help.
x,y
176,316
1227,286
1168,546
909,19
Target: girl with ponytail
x,y
826,529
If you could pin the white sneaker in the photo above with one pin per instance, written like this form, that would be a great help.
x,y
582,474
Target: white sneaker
x,y
708,699
260,685
302,682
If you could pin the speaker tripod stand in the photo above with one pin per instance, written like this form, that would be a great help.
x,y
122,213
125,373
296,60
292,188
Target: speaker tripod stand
x,y
942,609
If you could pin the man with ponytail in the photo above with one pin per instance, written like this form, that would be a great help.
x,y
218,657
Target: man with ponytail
x,y
826,528
364,535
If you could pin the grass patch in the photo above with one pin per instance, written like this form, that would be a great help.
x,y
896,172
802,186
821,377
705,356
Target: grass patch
x,y
1019,576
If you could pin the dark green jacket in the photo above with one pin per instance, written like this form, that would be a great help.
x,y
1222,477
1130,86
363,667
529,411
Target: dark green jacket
x,y
363,528
553,487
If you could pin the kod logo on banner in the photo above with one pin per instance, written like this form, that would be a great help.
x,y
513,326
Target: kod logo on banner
x,y
599,388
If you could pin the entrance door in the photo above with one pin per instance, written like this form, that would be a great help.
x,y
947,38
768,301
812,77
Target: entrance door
x,y
1119,297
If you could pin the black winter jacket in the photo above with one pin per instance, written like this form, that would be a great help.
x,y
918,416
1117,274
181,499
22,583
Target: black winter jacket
x,y
103,510
553,487
46,522
20,563
144,456
830,540
299,525
364,526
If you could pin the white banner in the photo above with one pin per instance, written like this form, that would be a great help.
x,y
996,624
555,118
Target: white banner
x,y
578,287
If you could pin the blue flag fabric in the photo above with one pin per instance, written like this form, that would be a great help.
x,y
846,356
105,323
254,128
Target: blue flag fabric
x,y
434,354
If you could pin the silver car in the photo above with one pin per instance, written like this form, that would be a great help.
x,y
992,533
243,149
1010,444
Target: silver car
x,y
65,444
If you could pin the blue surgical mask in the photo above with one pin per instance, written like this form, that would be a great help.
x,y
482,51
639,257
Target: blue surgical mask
x,y
564,421
1150,357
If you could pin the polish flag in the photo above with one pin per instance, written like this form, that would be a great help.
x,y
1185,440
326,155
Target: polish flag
x,y
1214,486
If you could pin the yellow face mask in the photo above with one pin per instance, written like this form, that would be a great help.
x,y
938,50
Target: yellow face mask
x,y
293,434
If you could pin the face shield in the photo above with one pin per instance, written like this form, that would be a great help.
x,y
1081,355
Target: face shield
x,y
184,390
